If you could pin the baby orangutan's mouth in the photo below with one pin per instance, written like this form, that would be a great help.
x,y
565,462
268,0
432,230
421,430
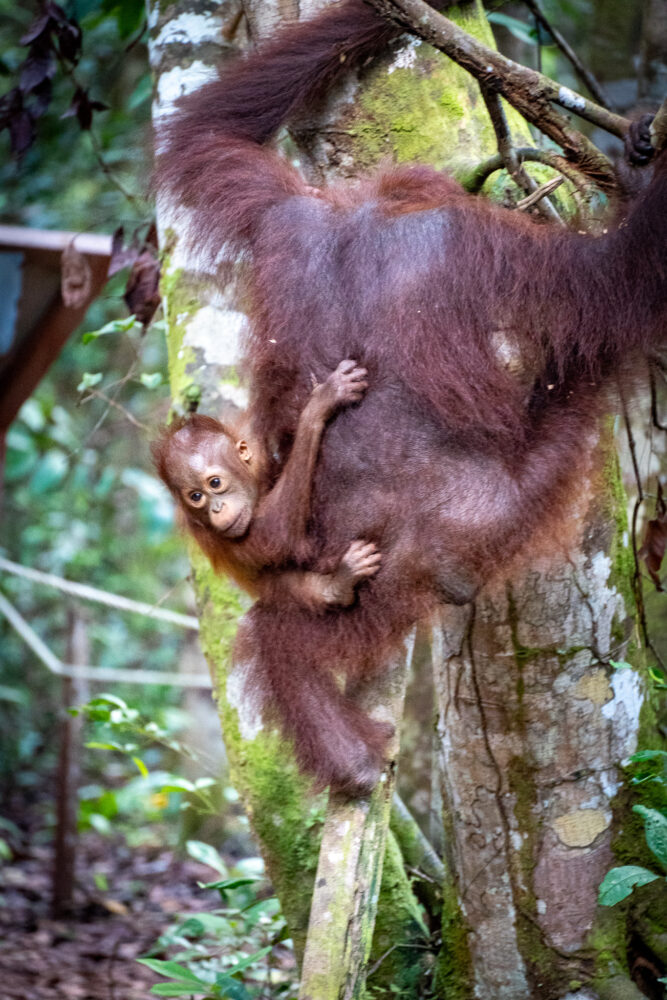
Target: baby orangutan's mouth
x,y
235,528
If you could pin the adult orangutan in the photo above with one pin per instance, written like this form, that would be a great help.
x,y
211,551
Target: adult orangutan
x,y
487,340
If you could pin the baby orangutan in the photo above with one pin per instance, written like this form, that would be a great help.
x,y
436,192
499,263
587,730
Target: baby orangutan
x,y
218,476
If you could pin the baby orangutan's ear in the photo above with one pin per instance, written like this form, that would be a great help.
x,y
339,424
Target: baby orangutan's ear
x,y
244,451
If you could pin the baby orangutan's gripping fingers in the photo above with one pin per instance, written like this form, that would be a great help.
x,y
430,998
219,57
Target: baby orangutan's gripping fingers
x,y
346,385
361,561
349,382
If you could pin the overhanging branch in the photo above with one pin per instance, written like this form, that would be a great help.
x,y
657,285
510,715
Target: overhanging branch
x,y
530,92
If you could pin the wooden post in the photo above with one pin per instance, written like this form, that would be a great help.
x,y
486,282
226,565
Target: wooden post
x,y
78,648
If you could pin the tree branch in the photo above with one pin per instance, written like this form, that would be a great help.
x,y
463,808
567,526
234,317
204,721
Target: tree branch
x,y
530,92
509,157
549,157
584,74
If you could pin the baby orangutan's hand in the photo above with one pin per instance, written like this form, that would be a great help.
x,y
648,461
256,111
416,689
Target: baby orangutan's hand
x,y
346,385
361,561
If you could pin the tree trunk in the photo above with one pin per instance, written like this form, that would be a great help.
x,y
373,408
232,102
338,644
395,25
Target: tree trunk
x,y
532,718
534,722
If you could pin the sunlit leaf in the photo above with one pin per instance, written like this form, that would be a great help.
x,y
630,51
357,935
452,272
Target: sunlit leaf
x,y
88,380
174,969
207,855
143,770
115,326
227,884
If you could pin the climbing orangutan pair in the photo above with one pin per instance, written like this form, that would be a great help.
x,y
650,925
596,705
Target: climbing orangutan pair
x,y
484,342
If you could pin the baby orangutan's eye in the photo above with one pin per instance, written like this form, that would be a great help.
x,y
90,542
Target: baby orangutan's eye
x,y
195,496
215,482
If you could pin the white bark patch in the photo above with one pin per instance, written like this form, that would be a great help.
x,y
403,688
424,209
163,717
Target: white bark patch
x,y
406,56
189,29
178,81
609,783
217,333
568,99
624,709
247,708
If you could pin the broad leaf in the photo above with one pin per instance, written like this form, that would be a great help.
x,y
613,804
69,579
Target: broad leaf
x,y
655,825
619,883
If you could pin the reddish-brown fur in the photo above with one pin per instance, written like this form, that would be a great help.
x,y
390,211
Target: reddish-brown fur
x,y
452,457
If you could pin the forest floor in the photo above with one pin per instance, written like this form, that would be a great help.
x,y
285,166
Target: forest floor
x,y
124,900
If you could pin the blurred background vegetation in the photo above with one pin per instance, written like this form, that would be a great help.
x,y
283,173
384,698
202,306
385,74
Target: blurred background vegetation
x,y
80,497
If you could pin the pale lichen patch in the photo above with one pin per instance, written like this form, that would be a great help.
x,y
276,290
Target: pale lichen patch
x,y
406,56
247,709
569,99
581,827
594,686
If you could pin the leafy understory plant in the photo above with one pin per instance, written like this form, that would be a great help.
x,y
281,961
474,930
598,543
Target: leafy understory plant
x,y
232,952
619,882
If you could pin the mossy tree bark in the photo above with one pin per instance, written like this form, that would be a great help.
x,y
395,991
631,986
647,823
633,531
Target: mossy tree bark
x,y
534,722
203,334
532,719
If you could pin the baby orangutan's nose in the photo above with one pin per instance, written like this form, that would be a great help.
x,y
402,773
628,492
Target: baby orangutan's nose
x,y
216,505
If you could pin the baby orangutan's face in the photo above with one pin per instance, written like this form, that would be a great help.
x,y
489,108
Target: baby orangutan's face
x,y
213,481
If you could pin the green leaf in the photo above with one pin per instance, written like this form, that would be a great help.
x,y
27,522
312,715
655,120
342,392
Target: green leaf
x,y
643,755
658,677
100,823
655,826
518,28
32,414
227,884
206,854
248,960
49,472
178,785
88,380
19,462
179,989
174,969
204,923
151,379
620,665
230,988
108,699
619,883
129,15
202,783
141,93
115,326
143,770
18,696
